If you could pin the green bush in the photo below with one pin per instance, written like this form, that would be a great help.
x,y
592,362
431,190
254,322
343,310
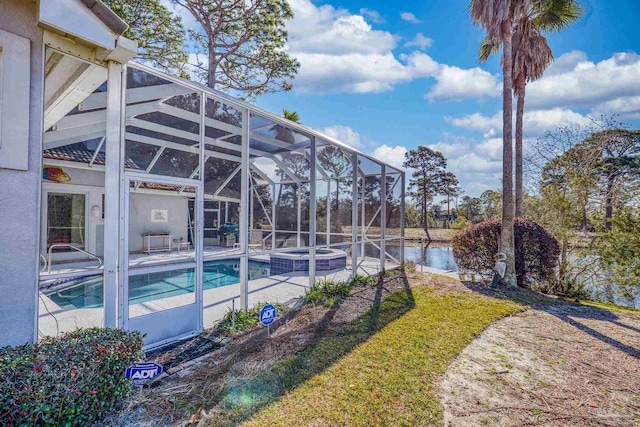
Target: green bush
x,y
245,319
537,250
409,267
619,252
72,380
460,223
327,292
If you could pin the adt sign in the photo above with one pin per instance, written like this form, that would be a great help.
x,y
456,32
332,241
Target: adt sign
x,y
143,372
268,314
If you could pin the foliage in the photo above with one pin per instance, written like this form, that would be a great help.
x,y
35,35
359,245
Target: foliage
x,y
409,267
576,177
429,165
460,222
71,380
536,253
327,292
399,349
245,319
159,33
291,115
243,45
619,251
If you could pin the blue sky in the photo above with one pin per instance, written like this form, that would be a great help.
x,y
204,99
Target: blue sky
x,y
386,79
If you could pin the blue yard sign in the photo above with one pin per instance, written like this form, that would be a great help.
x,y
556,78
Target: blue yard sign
x,y
268,314
143,372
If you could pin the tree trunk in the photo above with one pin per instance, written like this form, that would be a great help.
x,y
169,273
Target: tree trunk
x,y
608,212
507,237
521,84
448,211
425,221
213,66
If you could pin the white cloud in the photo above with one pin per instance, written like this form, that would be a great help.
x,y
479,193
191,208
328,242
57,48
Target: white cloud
x,y
471,162
491,148
391,155
343,134
420,41
578,82
341,52
373,15
566,62
409,17
456,84
342,34
628,107
535,122
450,149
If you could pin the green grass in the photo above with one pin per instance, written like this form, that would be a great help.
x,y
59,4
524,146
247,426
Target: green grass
x,y
380,369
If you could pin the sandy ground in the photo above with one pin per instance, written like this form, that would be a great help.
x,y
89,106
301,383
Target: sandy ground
x,y
553,365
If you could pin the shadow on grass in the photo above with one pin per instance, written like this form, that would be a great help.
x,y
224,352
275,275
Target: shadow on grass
x,y
241,401
566,311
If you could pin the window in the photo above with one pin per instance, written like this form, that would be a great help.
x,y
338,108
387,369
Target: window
x,y
65,220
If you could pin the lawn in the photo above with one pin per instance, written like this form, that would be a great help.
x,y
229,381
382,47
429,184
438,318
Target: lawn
x,y
381,369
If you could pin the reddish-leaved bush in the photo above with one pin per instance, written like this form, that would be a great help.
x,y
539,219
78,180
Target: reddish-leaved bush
x,y
71,380
537,250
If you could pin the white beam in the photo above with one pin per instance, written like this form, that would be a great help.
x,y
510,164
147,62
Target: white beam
x,y
228,180
67,84
135,95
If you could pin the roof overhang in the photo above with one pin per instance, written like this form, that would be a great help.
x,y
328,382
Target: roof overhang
x,y
91,26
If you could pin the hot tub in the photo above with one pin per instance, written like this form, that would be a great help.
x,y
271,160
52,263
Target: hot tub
x,y
326,260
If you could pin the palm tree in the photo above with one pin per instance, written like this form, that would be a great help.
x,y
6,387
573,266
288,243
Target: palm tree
x,y
291,115
496,17
531,57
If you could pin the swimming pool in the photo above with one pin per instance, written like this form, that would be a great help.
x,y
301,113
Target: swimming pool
x,y
87,292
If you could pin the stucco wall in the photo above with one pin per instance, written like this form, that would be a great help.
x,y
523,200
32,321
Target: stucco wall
x,y
140,218
19,194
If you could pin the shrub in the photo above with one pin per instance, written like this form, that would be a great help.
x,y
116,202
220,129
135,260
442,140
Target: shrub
x,y
362,280
72,380
409,267
537,250
245,319
327,292
460,222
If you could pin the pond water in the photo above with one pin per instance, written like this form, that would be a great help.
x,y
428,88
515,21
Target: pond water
x,y
437,257
442,257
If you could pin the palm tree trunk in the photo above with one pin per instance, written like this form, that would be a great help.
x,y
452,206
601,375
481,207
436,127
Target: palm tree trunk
x,y
507,237
521,84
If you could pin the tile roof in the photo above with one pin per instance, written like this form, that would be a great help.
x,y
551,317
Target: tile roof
x,y
80,153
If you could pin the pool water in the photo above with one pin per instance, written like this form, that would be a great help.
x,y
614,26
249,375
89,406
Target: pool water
x,y
87,292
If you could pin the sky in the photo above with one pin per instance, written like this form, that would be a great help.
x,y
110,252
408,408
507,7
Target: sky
x,y
386,79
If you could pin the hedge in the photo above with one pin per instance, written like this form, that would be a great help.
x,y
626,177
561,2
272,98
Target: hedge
x,y
71,380
537,250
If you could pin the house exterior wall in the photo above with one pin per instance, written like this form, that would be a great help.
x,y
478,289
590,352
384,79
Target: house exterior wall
x,y
19,196
140,218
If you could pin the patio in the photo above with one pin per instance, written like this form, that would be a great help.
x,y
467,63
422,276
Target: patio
x,y
193,176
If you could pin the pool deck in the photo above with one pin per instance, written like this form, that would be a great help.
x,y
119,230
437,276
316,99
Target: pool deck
x,y
217,301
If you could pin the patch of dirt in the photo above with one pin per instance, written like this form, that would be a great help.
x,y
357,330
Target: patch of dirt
x,y
555,364
192,389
